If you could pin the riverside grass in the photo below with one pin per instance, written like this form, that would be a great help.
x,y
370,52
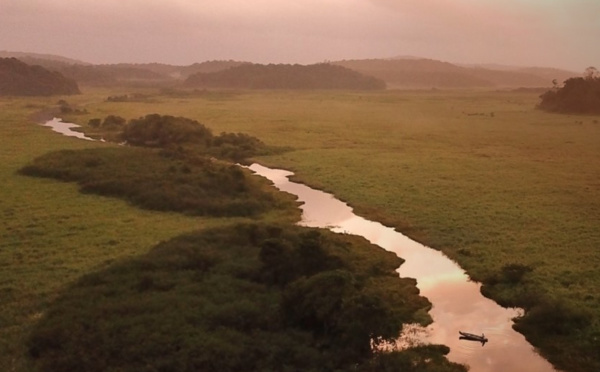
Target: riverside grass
x,y
482,176
51,234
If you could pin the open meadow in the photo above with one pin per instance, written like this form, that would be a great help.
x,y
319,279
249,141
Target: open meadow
x,y
480,175
51,234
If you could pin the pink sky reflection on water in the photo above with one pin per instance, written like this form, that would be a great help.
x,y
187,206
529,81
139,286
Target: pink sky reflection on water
x,y
457,302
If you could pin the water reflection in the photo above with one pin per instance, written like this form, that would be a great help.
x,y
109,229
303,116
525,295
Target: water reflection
x,y
59,126
457,302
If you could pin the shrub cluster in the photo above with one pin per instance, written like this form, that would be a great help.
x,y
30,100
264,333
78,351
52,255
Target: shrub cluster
x,y
205,302
578,95
166,131
159,180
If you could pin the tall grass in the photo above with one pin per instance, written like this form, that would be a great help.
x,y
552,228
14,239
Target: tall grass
x,y
483,176
51,234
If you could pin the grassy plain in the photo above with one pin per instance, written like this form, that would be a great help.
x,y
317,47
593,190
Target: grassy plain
x,y
51,234
482,176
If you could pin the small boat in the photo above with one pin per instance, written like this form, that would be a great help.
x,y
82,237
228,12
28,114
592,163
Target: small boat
x,y
473,337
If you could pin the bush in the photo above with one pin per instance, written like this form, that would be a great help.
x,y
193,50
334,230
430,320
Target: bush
x,y
553,317
578,95
162,131
184,307
158,180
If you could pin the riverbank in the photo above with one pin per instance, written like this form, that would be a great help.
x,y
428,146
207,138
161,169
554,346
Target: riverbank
x,y
482,176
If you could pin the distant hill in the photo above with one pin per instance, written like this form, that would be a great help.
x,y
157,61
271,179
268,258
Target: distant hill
x,y
121,73
282,76
427,73
183,72
40,59
20,79
398,72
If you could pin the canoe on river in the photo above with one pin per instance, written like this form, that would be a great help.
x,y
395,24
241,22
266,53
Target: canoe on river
x,y
473,337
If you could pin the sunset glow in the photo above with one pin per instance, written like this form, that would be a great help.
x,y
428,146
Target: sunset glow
x,y
515,32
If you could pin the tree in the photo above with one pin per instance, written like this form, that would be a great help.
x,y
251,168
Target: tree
x,y
591,73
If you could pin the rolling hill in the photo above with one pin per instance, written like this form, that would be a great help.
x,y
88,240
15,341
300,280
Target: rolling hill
x,y
429,73
20,79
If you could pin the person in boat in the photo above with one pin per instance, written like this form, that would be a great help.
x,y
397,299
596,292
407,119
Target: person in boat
x,y
473,337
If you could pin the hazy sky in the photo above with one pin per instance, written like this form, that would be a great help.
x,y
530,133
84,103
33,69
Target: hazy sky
x,y
557,33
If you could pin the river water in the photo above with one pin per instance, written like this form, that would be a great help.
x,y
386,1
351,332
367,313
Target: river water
x,y
457,301
66,129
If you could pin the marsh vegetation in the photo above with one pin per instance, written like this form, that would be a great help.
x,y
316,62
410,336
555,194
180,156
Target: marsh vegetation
x,y
513,197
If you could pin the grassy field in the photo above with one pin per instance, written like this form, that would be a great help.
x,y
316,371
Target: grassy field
x,y
482,176
51,234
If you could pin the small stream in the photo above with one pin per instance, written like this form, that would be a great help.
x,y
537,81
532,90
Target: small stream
x,y
63,128
457,301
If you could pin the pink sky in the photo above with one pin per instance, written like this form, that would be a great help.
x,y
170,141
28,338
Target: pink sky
x,y
557,33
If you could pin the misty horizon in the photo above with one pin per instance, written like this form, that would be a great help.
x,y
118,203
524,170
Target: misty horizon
x,y
514,33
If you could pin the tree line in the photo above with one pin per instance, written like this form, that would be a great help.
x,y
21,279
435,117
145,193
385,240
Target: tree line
x,y
285,76
20,79
578,95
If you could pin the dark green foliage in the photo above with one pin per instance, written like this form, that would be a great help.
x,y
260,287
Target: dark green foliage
x,y
168,131
113,122
95,123
195,304
159,180
161,131
553,317
255,76
20,79
510,274
236,146
564,334
514,273
578,95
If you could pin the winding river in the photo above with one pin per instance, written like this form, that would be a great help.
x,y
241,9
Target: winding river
x,y
457,301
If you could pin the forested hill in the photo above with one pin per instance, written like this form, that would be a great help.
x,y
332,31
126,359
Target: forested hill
x,y
429,73
20,79
283,76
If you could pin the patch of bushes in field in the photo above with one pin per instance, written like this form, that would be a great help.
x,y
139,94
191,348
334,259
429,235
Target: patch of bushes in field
x,y
164,180
226,300
560,329
579,95
165,131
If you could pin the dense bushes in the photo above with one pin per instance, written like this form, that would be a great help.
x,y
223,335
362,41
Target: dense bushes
x,y
160,131
159,180
578,95
170,132
200,302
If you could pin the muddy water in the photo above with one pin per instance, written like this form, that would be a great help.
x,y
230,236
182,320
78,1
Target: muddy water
x,y
457,301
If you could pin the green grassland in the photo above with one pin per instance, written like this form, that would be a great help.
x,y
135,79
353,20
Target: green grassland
x,y
247,297
51,234
482,176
